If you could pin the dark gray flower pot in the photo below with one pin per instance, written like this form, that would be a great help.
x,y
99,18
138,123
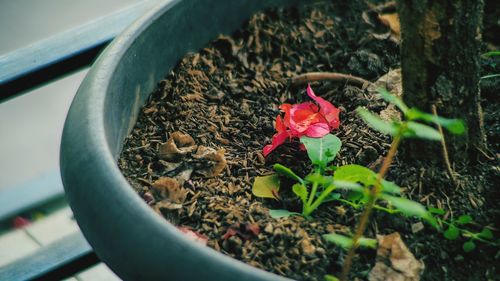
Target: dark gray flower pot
x,y
125,233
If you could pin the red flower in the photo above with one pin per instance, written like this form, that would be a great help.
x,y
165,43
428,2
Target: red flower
x,y
304,119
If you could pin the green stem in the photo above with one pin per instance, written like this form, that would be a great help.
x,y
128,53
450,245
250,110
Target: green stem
x,y
468,233
313,190
321,198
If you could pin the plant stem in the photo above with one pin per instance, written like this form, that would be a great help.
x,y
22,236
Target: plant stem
x,y
312,194
445,150
374,192
321,197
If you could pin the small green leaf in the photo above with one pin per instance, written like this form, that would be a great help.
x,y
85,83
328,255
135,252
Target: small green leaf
x,y
319,179
329,277
486,234
436,211
451,233
266,186
469,246
280,213
417,130
301,191
348,186
377,123
322,150
355,173
346,242
406,206
455,126
464,219
491,54
354,196
331,197
386,95
287,172
390,187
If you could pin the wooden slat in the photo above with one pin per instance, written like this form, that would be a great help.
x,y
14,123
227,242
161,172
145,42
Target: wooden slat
x,y
56,261
64,52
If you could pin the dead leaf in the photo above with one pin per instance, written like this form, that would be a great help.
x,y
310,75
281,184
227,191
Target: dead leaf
x,y
390,81
177,146
394,261
211,162
170,189
392,21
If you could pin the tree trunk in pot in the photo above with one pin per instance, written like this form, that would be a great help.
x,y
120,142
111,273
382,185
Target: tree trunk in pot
x,y
440,66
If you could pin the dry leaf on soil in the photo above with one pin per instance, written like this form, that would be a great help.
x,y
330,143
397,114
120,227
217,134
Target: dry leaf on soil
x,y
394,261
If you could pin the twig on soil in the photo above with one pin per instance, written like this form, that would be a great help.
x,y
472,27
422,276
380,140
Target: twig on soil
x,y
445,151
330,76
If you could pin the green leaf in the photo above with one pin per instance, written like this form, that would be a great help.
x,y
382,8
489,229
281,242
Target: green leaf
x,y
331,197
285,171
451,233
301,191
390,187
464,219
406,206
355,173
376,123
329,277
469,246
346,242
320,179
491,54
266,186
436,211
455,126
486,234
386,95
280,213
322,150
348,185
354,196
417,130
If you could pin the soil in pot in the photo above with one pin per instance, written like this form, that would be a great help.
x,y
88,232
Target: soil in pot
x,y
218,108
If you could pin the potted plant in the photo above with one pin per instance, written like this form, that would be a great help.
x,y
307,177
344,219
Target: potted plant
x,y
135,241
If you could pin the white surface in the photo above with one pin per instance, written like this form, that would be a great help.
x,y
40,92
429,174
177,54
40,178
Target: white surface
x,y
14,245
99,272
56,226
31,129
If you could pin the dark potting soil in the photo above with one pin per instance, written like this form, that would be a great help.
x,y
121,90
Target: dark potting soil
x,y
227,97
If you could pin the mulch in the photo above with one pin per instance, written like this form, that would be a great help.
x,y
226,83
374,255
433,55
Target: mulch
x,y
227,95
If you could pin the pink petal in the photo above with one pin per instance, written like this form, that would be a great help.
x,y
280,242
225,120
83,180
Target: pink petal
x,y
317,130
328,110
301,116
278,139
279,125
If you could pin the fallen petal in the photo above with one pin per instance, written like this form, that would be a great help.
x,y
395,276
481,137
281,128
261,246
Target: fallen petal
x,y
278,139
328,110
317,130
195,236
